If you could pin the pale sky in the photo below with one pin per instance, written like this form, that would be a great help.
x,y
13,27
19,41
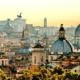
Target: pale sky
x,y
34,11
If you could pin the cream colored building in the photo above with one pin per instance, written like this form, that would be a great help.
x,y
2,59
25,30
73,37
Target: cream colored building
x,y
77,68
38,55
18,23
4,61
10,54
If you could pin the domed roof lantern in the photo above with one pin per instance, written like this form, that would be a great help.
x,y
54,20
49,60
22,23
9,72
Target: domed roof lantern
x,y
61,32
61,28
38,45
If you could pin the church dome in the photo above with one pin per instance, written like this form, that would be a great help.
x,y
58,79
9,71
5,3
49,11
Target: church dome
x,y
50,65
25,50
8,25
8,28
62,46
77,31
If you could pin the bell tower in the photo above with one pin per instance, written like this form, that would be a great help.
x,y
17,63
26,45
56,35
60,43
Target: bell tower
x,y
23,39
38,55
45,22
26,31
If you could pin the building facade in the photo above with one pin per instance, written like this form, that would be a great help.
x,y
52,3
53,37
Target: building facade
x,y
18,24
4,61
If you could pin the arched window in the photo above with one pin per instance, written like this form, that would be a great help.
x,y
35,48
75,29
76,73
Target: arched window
x,y
2,62
35,59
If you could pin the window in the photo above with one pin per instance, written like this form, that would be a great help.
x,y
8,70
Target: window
x,y
75,70
35,59
2,62
51,58
42,59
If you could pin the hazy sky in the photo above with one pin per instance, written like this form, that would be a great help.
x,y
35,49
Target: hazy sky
x,y
56,11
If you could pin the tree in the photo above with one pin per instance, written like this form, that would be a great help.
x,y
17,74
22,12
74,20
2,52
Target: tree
x,y
27,75
2,75
58,70
56,73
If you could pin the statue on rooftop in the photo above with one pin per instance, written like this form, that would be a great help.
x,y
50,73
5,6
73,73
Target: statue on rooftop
x,y
19,16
